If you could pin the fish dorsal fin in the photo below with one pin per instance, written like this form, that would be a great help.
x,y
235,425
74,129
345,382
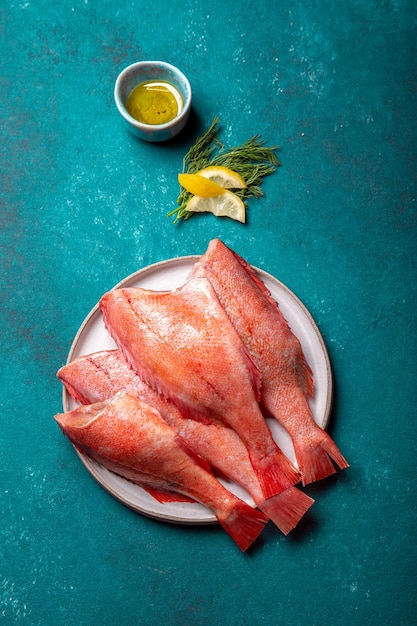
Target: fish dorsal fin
x,y
304,371
305,376
254,276
254,373
192,453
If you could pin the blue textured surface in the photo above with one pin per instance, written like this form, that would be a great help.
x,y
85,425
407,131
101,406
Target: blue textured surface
x,y
84,204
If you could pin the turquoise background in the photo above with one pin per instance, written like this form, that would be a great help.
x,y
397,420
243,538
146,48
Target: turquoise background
x,y
84,204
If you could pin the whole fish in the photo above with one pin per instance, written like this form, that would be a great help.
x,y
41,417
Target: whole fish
x,y
286,378
183,344
131,438
99,376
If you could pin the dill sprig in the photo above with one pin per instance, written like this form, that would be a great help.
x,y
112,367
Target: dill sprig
x,y
252,161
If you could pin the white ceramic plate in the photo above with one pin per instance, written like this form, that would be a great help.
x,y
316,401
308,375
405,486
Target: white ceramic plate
x,y
167,275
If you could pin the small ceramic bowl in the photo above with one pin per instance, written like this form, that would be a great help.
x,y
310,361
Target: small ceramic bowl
x,y
143,71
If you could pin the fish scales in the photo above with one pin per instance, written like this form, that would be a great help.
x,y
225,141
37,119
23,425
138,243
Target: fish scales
x,y
286,378
101,375
131,438
183,344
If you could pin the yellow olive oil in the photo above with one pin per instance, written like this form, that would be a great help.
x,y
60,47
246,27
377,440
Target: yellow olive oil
x,y
154,102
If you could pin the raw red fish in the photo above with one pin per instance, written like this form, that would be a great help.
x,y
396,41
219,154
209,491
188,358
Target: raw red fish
x,y
99,376
286,378
183,344
131,438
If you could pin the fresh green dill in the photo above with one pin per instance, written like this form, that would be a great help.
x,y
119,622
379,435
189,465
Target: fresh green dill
x,y
252,161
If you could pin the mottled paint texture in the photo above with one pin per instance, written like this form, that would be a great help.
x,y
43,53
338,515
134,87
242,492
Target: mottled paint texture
x,y
83,204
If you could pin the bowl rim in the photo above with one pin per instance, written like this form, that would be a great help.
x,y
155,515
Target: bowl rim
x,y
142,125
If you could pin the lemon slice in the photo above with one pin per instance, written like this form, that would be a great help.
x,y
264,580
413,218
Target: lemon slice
x,y
200,186
227,204
223,176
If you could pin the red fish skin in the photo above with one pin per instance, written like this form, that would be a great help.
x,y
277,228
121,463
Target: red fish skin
x,y
131,438
99,376
88,379
183,345
286,378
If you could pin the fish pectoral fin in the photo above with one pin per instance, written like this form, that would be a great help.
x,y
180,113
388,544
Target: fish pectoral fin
x,y
199,460
164,497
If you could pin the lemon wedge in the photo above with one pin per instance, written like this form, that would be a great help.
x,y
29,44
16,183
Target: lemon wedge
x,y
223,176
200,186
227,204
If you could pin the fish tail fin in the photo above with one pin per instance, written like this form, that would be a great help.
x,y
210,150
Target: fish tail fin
x,y
275,473
318,459
287,508
244,524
